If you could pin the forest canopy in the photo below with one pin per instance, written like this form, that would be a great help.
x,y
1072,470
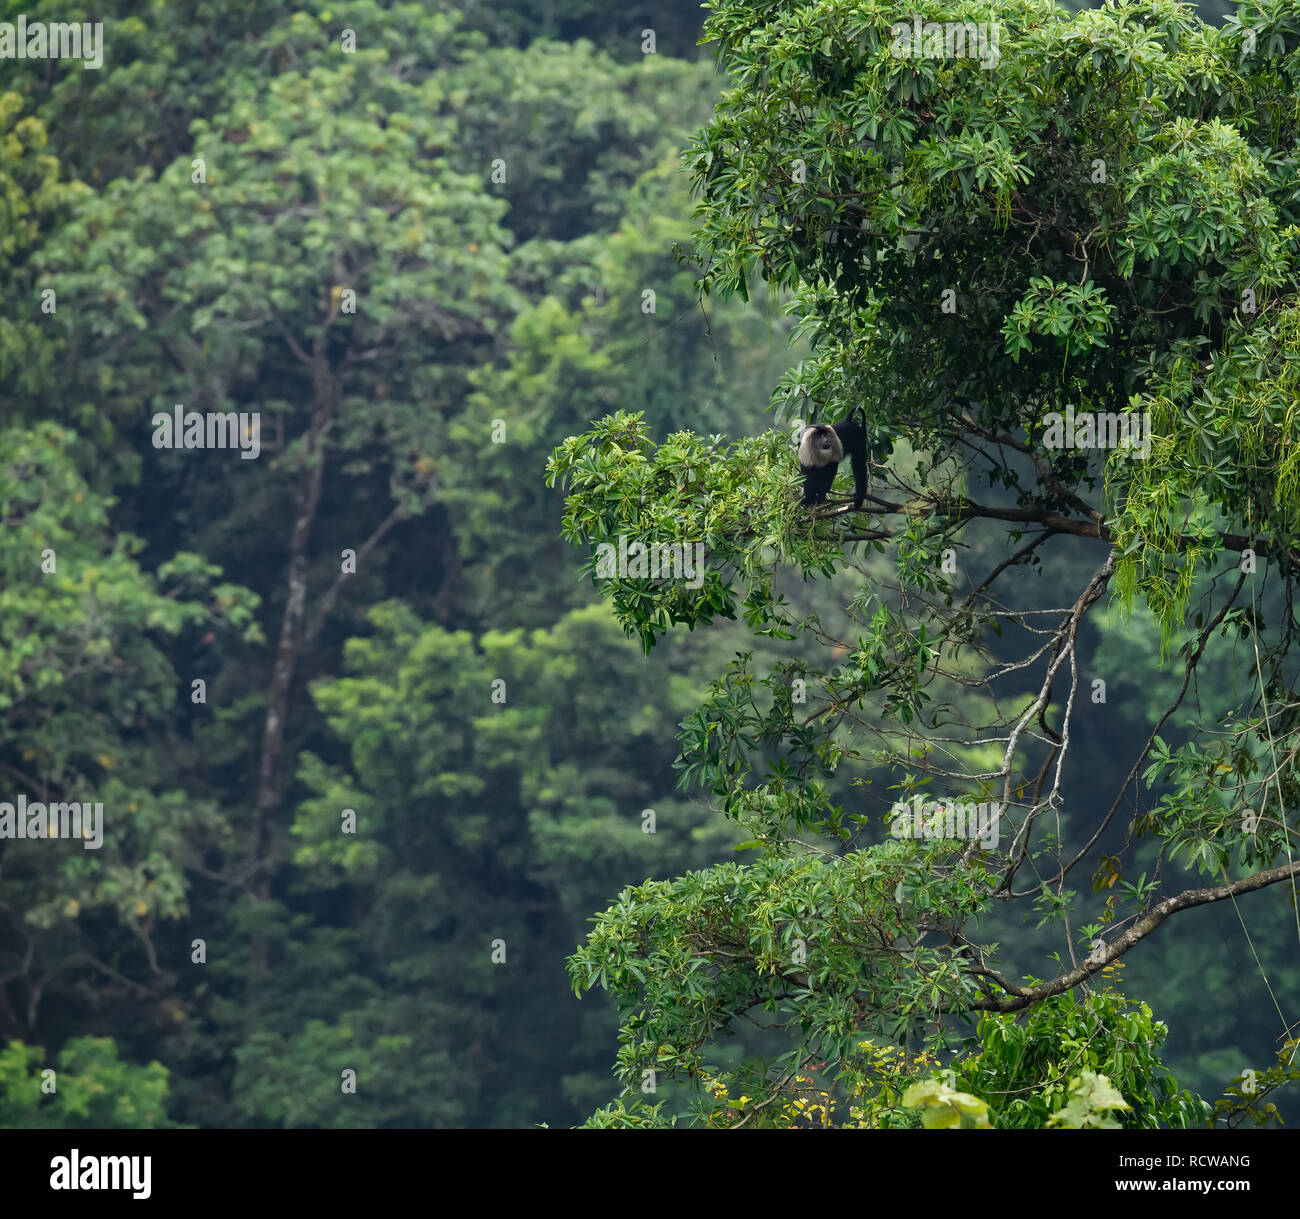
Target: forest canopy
x,y
1060,283
356,358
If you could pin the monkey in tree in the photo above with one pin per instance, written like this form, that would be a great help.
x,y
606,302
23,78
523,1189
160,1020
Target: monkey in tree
x,y
821,449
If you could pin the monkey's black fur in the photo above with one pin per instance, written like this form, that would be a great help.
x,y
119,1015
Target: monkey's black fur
x,y
822,448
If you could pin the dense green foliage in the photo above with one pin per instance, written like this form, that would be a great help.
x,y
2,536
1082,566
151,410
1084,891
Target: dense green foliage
x,y
975,250
375,753
86,1088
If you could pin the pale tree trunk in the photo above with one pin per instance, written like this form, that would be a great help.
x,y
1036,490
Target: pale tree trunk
x,y
290,644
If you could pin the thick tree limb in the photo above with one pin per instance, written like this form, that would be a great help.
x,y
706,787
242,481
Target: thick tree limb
x,y
1142,928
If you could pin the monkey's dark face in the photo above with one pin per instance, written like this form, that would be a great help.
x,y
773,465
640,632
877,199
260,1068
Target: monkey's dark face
x,y
820,446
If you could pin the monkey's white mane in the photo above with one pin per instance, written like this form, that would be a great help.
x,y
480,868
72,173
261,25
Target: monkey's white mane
x,y
813,454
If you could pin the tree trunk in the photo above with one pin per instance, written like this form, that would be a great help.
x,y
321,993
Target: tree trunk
x,y
288,648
